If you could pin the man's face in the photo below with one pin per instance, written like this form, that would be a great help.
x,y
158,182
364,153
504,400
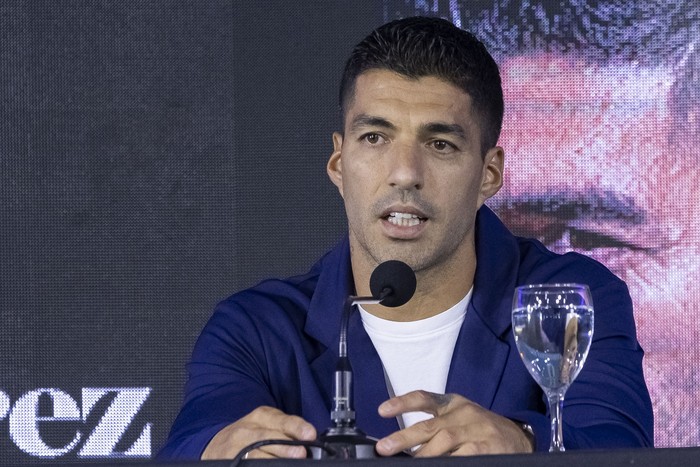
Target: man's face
x,y
593,167
410,171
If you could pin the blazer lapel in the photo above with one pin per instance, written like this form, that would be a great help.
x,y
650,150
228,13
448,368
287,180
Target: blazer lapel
x,y
323,324
369,384
481,351
478,362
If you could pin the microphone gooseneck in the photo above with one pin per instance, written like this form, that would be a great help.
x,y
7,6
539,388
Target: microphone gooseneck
x,y
392,284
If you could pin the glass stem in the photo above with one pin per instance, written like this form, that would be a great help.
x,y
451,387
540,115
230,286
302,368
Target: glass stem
x,y
556,406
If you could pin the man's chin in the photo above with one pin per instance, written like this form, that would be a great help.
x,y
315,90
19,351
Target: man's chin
x,y
398,254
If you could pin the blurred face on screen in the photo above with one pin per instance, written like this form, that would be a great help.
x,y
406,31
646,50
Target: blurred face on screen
x,y
595,164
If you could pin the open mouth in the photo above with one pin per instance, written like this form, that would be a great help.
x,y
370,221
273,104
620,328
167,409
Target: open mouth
x,y
404,219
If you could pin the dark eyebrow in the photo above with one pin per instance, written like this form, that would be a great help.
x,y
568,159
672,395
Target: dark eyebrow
x,y
443,128
364,120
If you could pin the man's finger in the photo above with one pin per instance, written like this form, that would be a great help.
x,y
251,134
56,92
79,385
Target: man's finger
x,y
408,438
436,436
445,441
278,451
415,401
263,423
291,425
298,428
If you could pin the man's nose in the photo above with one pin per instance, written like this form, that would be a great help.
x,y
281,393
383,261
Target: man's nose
x,y
405,167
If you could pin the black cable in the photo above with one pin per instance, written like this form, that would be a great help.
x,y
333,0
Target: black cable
x,y
286,442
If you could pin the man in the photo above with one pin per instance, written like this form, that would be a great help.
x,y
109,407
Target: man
x,y
418,157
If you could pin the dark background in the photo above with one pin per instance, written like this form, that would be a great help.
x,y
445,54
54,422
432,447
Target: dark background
x,y
155,156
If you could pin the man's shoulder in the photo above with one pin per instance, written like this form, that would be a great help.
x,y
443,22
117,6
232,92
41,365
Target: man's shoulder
x,y
280,291
291,295
268,310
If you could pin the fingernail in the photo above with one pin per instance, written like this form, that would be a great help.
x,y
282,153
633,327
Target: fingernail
x,y
297,452
386,445
308,433
386,407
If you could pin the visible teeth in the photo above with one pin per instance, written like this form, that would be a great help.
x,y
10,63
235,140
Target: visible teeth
x,y
404,215
403,219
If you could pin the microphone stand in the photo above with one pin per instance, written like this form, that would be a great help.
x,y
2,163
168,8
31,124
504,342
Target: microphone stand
x,y
392,283
348,441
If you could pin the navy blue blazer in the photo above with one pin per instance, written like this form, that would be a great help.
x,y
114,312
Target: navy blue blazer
x,y
276,344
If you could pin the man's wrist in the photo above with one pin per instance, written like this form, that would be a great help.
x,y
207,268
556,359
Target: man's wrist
x,y
529,433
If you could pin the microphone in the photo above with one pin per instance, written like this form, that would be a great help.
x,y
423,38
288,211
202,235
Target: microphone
x,y
392,284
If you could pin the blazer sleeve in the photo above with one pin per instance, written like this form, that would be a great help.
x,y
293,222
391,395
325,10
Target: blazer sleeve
x,y
226,380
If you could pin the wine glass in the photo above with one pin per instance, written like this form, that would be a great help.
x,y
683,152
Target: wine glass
x,y
553,328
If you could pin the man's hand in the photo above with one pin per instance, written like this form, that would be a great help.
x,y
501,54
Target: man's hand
x,y
459,428
262,423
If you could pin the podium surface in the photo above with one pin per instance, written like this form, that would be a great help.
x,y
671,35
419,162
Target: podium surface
x,y
647,457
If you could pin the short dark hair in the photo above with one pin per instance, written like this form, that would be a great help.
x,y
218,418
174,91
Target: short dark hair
x,y
422,46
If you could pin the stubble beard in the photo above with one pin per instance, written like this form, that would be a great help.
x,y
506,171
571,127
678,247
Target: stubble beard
x,y
423,255
422,258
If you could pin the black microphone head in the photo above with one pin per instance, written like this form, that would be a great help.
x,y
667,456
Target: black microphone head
x,y
398,278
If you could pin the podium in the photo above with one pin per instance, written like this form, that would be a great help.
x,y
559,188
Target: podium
x,y
645,457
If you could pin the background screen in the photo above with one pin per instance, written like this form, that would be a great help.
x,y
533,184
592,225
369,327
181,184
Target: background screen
x,y
156,156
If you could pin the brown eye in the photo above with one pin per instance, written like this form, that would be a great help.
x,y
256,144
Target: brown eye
x,y
442,146
372,138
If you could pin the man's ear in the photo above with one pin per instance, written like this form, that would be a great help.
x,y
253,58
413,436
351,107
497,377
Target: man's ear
x,y
334,166
492,175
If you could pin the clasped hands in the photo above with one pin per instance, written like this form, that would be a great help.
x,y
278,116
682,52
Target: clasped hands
x,y
459,427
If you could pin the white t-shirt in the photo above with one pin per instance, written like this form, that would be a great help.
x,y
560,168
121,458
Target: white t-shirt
x,y
416,354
